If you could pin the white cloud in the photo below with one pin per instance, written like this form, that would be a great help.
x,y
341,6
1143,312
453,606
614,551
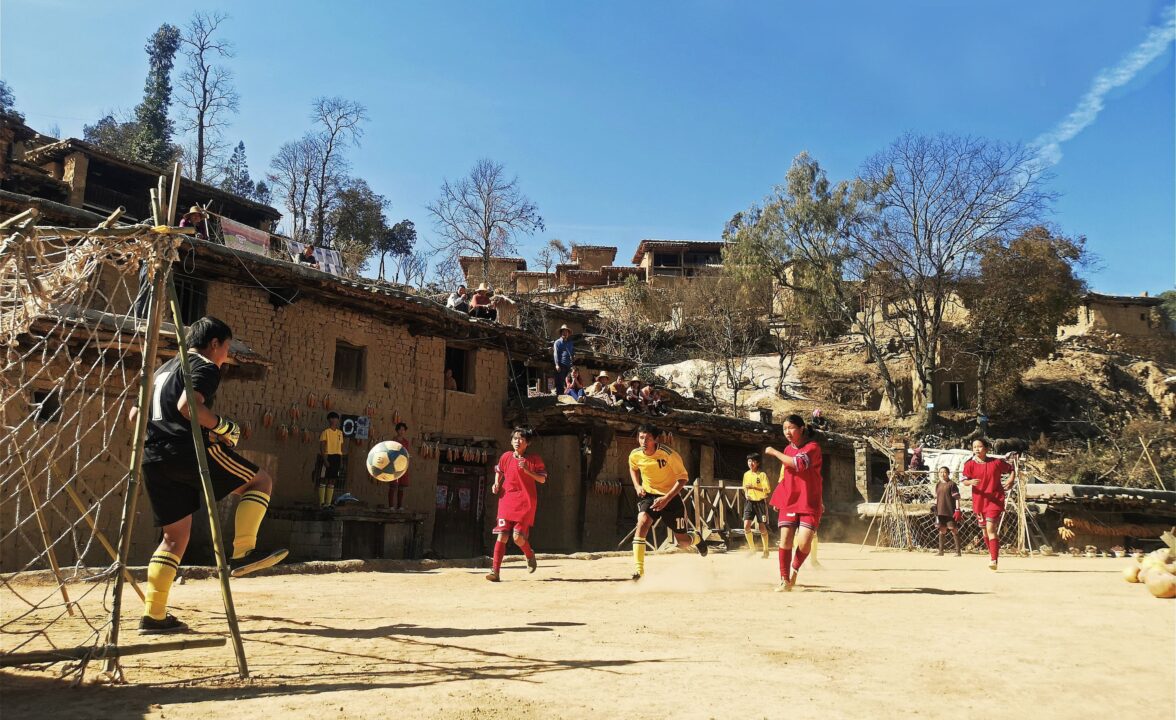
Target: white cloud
x,y
1159,37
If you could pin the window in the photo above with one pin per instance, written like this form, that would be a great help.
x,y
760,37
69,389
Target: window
x,y
47,405
348,366
955,395
193,296
461,363
666,260
1143,317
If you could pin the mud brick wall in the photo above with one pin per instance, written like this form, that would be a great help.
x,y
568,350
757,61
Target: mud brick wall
x,y
402,376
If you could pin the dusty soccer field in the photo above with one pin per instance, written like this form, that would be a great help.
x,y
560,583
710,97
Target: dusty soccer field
x,y
868,634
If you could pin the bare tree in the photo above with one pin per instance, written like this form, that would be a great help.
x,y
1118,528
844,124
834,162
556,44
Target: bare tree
x,y
940,198
206,93
409,268
291,172
481,214
338,122
551,254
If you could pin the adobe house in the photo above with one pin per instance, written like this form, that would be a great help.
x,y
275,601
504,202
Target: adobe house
x,y
501,271
1131,323
100,181
678,258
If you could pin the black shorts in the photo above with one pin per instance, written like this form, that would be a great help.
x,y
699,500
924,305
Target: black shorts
x,y
944,521
173,484
334,467
673,515
756,510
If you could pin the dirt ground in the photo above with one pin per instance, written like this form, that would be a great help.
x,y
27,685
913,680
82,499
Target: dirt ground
x,y
867,634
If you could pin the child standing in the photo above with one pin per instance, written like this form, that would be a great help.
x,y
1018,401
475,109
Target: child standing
x,y
756,488
516,475
947,508
331,456
396,489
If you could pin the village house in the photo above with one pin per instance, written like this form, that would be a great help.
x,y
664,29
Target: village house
x,y
1129,323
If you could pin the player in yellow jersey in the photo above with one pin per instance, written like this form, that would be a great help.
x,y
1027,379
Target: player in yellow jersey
x,y
756,488
659,476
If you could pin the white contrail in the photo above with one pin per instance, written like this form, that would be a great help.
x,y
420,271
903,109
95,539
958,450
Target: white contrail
x,y
1158,39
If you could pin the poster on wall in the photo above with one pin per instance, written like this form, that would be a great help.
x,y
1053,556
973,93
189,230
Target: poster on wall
x,y
463,498
442,496
355,426
243,237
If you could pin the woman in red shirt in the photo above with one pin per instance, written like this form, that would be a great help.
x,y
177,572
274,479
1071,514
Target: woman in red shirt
x,y
983,474
797,497
516,475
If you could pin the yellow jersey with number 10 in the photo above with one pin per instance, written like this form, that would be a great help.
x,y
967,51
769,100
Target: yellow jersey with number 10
x,y
660,470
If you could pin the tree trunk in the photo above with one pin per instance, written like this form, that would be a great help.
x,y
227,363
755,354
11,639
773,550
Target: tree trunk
x,y
983,368
888,385
923,396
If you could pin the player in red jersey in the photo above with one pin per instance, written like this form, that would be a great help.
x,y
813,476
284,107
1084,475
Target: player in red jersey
x,y
516,475
797,497
983,474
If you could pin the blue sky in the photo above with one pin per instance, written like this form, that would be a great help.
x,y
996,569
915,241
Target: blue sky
x,y
659,119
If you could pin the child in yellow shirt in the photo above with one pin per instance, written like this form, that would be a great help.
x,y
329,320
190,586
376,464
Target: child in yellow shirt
x,y
756,488
331,446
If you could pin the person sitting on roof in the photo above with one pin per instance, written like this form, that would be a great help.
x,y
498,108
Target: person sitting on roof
x,y
307,257
575,385
196,217
599,389
632,400
480,304
458,300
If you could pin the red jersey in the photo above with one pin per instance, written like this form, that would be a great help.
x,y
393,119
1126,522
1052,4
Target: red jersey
x,y
988,495
519,498
800,490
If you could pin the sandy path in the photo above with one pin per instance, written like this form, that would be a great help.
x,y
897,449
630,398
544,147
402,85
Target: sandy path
x,y
871,633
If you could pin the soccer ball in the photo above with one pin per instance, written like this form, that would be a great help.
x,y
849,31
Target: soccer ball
x,y
387,461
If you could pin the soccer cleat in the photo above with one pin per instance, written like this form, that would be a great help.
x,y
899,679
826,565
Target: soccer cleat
x,y
992,565
169,624
532,565
256,560
636,577
700,543
792,580
492,576
783,586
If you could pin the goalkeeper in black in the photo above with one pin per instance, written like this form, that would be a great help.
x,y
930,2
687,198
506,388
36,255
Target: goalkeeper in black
x,y
172,476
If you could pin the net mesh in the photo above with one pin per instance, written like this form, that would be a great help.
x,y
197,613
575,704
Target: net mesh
x,y
72,349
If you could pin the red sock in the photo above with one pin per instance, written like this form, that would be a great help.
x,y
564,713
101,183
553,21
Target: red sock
x,y
994,548
785,561
525,547
499,553
801,555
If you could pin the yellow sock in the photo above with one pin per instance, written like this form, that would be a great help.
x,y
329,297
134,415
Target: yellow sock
x,y
813,552
749,535
330,494
161,571
639,554
250,512
322,493
764,537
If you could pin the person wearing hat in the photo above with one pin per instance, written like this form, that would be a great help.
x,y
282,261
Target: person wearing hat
x,y
195,217
599,389
480,304
633,395
563,351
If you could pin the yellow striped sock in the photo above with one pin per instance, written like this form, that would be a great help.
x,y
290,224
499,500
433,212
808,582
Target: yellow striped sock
x,y
322,493
639,554
250,512
161,571
330,494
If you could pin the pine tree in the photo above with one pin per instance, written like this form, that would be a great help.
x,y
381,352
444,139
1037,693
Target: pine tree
x,y
153,142
237,180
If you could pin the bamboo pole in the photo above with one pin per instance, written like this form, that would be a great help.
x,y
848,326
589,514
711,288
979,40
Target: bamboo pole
x,y
24,471
30,214
85,511
138,438
108,651
222,563
1147,454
